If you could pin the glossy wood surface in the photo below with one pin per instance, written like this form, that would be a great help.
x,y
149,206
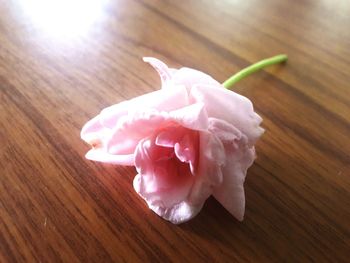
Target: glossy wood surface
x,y
61,62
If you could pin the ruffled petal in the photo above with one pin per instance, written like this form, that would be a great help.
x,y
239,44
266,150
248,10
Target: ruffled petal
x,y
185,150
162,69
179,213
94,132
193,116
208,175
170,136
135,126
223,130
191,77
239,157
160,100
227,105
176,214
163,181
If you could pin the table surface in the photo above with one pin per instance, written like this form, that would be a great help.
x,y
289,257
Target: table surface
x,y
61,62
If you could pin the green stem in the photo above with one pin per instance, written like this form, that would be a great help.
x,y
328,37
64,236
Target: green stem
x,y
254,68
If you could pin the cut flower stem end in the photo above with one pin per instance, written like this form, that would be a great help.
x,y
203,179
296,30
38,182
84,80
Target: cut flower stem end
x,y
254,68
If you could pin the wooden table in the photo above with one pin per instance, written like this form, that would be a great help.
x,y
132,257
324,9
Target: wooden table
x,y
62,62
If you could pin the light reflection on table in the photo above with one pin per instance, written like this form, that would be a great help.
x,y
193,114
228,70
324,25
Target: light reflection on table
x,y
63,19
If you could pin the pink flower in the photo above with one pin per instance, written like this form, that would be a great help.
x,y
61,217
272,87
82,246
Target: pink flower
x,y
189,140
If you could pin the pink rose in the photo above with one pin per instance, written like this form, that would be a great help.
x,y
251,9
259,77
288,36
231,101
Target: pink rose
x,y
189,140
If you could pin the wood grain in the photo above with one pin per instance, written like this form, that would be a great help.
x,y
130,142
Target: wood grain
x,y
55,206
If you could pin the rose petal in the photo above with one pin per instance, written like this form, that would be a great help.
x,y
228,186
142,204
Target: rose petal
x,y
162,69
101,155
187,151
227,105
193,116
179,213
132,128
191,77
223,130
231,192
161,100
164,184
208,175
176,214
92,130
239,157
137,125
170,136
170,179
